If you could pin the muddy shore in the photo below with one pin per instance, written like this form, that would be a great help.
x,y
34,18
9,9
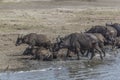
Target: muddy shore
x,y
52,22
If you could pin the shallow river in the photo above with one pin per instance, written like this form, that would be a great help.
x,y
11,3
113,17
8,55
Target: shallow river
x,y
96,69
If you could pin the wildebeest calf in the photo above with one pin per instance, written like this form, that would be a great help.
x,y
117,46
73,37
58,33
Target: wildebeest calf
x,y
41,53
62,54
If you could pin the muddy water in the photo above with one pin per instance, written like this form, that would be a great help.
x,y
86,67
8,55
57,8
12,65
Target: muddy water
x,y
108,69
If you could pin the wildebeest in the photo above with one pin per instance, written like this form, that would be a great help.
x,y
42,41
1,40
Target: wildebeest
x,y
76,42
117,42
40,53
62,54
43,54
108,32
34,39
116,26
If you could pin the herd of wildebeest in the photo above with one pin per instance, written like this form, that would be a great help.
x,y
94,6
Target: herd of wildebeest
x,y
92,41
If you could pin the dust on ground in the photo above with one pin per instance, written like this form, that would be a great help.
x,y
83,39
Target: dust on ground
x,y
17,19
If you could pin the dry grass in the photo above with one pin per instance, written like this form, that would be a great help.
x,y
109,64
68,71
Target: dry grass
x,y
58,21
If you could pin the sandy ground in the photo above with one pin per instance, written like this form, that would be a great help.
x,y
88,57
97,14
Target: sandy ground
x,y
21,18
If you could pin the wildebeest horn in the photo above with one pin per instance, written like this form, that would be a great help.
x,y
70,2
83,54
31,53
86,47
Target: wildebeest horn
x,y
108,23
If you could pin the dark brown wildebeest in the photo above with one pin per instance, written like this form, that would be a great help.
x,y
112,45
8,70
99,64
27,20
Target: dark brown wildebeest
x,y
76,42
34,39
116,26
108,32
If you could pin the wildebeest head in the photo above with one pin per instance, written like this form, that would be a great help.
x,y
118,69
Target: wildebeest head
x,y
111,34
61,43
19,40
55,46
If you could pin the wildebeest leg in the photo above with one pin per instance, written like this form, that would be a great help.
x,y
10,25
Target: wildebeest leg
x,y
99,50
93,53
55,55
113,46
82,52
104,54
50,58
68,52
101,46
86,55
85,52
77,52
